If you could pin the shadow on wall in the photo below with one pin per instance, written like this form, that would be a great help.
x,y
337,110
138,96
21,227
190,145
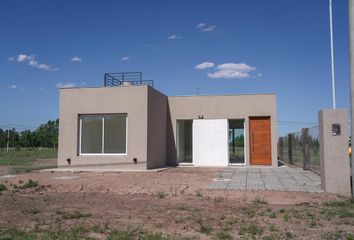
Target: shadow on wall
x,y
171,143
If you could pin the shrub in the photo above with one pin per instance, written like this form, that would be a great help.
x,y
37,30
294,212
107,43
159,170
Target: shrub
x,y
259,200
2,187
29,184
74,215
252,229
162,194
223,235
204,226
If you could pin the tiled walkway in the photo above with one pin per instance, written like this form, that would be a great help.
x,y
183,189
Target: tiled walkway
x,y
267,178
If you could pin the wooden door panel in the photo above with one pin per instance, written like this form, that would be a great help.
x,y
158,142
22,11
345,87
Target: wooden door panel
x,y
260,141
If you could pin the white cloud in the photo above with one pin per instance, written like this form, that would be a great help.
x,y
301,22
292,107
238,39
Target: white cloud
x,y
174,36
232,71
24,57
204,65
31,60
76,59
201,25
13,86
65,85
36,64
206,28
209,28
125,58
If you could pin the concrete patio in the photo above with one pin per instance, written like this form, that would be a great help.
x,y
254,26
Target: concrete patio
x,y
267,178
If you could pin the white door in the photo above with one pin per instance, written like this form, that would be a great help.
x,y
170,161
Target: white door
x,y
210,142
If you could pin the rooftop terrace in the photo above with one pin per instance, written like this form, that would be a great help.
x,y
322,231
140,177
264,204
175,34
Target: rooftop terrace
x,y
125,79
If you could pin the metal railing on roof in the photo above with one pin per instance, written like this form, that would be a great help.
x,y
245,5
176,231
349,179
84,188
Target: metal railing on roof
x,y
125,79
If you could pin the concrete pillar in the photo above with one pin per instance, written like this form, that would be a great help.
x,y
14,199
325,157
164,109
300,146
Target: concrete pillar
x,y
334,158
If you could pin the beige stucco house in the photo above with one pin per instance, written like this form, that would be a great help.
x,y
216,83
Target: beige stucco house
x,y
138,126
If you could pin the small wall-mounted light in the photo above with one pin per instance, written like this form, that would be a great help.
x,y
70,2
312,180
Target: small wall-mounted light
x,y
69,161
135,160
200,116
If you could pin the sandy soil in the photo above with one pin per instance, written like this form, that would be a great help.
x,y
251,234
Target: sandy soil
x,y
175,201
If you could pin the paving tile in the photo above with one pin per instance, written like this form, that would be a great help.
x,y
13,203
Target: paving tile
x,y
239,176
218,184
225,175
241,170
237,185
267,178
253,170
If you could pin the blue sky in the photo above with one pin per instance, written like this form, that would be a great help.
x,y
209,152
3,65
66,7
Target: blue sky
x,y
251,46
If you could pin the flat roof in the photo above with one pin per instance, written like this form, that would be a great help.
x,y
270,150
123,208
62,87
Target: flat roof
x,y
172,96
222,95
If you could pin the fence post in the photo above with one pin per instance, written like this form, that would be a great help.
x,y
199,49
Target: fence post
x,y
290,148
305,148
281,149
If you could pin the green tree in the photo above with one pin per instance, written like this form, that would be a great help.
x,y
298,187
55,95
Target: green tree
x,y
46,135
3,138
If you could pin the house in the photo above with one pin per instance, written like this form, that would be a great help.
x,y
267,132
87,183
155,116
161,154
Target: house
x,y
128,122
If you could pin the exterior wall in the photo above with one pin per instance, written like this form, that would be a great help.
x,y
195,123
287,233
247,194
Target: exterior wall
x,y
157,129
210,142
131,100
222,107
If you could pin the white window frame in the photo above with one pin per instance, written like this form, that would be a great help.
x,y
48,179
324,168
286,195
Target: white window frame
x,y
103,119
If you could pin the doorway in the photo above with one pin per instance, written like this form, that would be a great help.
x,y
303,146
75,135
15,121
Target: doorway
x,y
184,141
260,141
236,141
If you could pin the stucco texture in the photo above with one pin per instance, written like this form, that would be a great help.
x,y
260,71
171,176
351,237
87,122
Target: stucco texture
x,y
130,100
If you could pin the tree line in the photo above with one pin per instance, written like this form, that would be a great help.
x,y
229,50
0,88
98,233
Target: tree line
x,y
46,135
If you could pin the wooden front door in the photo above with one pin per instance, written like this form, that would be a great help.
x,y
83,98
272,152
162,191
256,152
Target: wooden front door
x,y
260,141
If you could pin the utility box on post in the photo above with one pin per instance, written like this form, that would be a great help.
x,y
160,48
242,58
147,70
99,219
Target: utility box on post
x,y
334,156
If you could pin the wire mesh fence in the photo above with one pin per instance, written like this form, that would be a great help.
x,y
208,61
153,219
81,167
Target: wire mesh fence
x,y
301,149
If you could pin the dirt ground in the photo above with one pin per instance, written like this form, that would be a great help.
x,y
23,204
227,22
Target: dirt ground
x,y
174,202
4,170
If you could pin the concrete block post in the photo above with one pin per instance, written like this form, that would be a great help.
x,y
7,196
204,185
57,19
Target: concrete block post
x,y
334,159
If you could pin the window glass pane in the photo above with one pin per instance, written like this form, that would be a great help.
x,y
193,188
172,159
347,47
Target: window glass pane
x,y
236,141
115,134
91,134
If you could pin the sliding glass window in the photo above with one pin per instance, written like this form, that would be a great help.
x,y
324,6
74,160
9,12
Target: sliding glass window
x,y
103,134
